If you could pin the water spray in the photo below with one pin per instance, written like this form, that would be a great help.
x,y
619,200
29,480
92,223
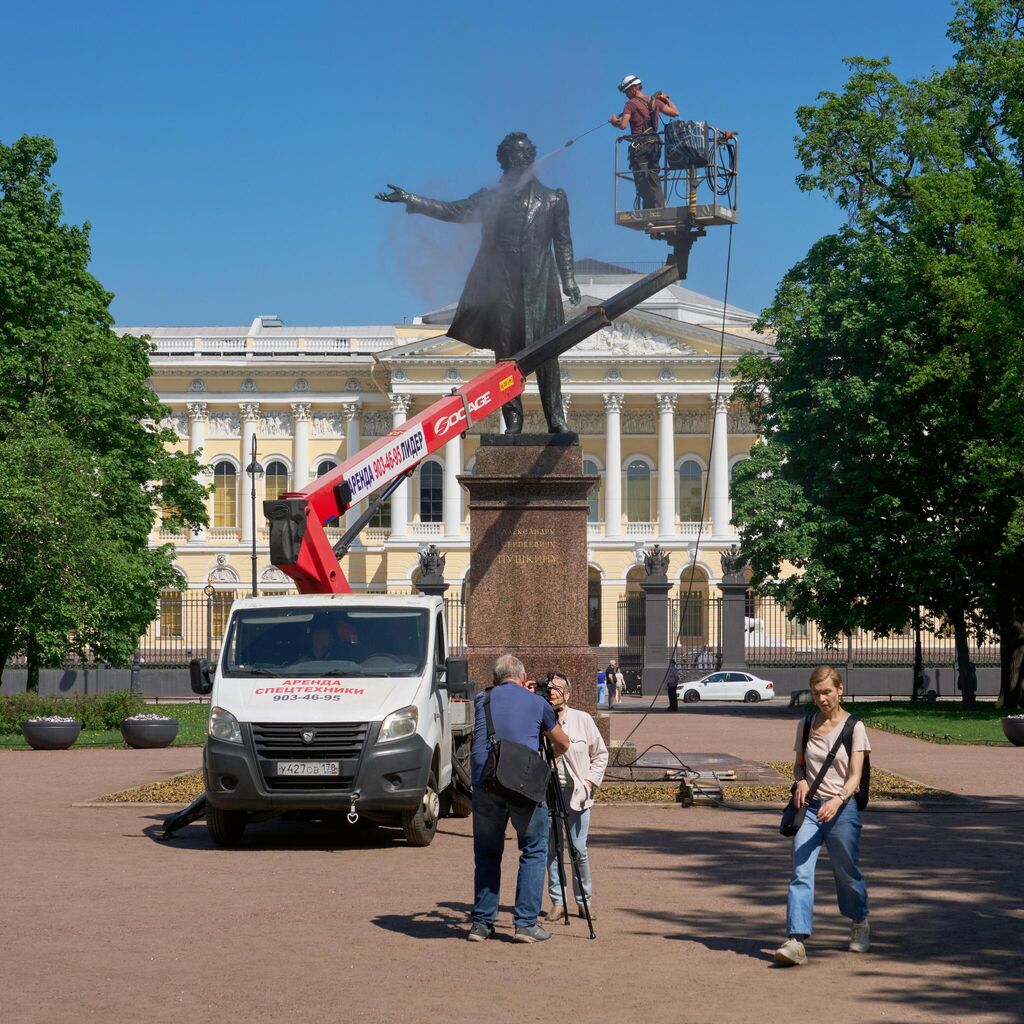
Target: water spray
x,y
571,142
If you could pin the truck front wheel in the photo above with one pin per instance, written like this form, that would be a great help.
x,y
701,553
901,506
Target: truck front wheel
x,y
420,826
225,827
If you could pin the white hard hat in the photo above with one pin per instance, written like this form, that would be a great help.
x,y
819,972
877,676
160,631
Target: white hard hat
x,y
628,82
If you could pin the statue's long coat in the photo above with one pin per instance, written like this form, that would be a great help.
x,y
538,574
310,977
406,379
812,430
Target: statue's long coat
x,y
508,303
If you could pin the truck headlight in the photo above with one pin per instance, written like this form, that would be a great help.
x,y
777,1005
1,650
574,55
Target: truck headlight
x,y
398,725
224,726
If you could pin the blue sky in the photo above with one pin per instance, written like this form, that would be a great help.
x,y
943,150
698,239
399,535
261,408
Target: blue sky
x,y
227,154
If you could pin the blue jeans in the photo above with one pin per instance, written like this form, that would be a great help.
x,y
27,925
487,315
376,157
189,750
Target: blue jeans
x,y
579,826
841,837
491,814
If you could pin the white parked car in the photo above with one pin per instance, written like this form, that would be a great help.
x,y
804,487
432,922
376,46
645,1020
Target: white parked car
x,y
727,686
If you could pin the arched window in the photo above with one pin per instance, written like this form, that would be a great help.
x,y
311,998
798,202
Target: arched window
x,y
591,468
325,466
225,495
276,480
431,493
638,492
690,491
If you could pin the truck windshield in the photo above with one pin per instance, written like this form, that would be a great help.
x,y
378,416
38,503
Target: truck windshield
x,y
351,641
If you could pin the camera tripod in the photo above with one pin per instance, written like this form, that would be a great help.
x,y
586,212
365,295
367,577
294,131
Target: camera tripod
x,y
560,824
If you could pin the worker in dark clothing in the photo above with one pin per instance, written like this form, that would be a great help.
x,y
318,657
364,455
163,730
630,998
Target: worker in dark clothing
x,y
642,114
671,685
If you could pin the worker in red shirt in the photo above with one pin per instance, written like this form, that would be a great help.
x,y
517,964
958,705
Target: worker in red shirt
x,y
641,114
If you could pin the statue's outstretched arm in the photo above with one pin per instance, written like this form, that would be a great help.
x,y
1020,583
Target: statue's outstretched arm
x,y
460,211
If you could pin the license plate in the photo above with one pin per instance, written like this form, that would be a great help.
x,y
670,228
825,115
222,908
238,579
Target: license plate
x,y
308,767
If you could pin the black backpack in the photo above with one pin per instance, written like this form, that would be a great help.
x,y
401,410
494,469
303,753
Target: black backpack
x,y
849,725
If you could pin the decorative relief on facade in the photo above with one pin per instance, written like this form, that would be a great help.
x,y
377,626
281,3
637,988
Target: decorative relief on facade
x,y
351,410
376,423
613,402
177,421
352,384
614,374
250,411
301,385
718,403
665,374
196,410
274,424
452,376
624,339
248,385
328,424
665,402
196,385
300,411
399,374
224,574
565,376
740,421
222,424
274,575
586,421
638,421
691,421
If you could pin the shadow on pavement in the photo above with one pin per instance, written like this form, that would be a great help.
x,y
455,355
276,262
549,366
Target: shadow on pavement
x,y
946,889
447,921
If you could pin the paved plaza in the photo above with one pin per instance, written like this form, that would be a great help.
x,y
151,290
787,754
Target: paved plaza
x,y
308,923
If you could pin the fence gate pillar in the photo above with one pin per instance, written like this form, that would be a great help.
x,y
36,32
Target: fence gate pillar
x,y
655,586
734,610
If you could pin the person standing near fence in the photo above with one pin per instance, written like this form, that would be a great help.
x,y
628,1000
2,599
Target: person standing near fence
x,y
832,819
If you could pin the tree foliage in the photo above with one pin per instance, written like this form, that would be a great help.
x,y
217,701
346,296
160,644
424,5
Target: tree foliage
x,y
894,415
85,464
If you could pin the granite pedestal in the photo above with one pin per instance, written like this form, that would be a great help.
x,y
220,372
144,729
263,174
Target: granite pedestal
x,y
528,560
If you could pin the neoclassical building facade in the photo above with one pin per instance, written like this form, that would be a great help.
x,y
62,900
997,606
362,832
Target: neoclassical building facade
x,y
655,417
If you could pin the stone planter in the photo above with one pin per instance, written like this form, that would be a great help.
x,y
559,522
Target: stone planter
x,y
149,733
1013,730
50,735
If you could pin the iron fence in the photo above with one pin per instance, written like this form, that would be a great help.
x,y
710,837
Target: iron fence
x,y
774,636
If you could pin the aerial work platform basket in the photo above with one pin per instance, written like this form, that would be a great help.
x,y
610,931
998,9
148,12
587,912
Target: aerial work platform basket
x,y
699,178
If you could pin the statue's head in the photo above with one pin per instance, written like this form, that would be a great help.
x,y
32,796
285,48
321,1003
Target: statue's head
x,y
516,152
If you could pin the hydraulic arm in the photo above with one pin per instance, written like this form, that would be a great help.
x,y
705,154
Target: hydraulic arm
x,y
299,544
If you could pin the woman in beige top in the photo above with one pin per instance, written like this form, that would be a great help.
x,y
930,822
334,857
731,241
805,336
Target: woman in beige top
x,y
832,818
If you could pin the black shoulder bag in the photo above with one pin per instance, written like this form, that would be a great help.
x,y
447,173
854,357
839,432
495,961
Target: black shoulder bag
x,y
513,770
793,816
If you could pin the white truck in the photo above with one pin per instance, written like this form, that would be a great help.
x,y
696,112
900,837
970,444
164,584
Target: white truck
x,y
336,703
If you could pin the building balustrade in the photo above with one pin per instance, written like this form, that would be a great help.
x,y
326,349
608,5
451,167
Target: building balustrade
x,y
223,533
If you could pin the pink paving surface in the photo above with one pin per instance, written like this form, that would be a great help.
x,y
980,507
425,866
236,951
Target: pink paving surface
x,y
307,923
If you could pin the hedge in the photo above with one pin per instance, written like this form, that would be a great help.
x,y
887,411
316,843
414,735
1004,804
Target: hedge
x,y
96,711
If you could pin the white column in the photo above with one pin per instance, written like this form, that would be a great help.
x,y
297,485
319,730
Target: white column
x,y
666,466
300,450
250,412
400,406
613,466
196,441
353,443
721,514
452,488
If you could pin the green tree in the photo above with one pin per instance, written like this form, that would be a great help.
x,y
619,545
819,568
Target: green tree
x,y
85,465
894,416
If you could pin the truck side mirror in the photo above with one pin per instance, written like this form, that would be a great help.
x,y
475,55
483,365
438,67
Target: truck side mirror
x,y
199,673
457,677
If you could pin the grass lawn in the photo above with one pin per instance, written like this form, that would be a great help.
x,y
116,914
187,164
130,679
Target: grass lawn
x,y
191,729
942,722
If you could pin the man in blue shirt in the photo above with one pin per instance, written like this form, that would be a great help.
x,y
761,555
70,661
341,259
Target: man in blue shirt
x,y
522,717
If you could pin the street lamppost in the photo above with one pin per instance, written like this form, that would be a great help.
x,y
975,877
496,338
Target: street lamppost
x,y
254,469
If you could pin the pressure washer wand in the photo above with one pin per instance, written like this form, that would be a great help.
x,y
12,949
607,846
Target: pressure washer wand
x,y
587,132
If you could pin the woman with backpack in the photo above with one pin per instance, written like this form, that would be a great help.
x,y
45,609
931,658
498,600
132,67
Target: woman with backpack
x,y
831,751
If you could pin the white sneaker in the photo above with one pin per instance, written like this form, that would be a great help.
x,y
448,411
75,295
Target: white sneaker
x,y
791,953
860,937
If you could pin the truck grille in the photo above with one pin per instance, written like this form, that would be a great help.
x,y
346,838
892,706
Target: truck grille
x,y
331,742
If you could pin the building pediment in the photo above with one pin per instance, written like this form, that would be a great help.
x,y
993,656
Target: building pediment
x,y
625,339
